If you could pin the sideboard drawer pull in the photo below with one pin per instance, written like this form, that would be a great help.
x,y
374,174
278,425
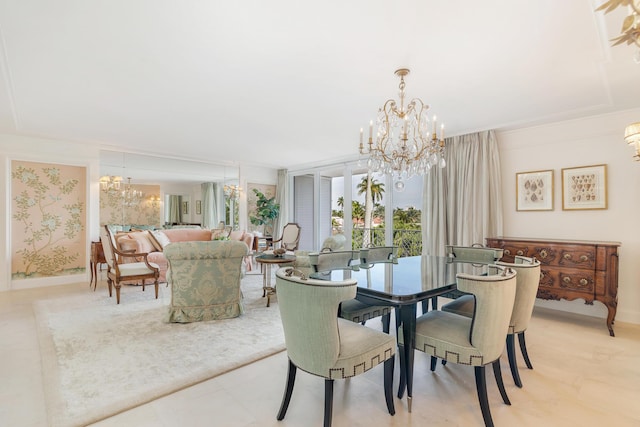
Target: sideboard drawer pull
x,y
567,256
584,282
507,252
584,258
520,252
566,280
543,253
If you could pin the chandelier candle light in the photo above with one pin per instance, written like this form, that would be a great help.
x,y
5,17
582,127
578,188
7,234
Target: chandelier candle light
x,y
404,147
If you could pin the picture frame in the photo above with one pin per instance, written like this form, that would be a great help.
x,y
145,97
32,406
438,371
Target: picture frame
x,y
534,190
185,208
584,187
198,207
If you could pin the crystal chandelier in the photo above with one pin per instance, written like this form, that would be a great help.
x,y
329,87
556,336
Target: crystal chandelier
x,y
630,32
130,196
403,146
632,137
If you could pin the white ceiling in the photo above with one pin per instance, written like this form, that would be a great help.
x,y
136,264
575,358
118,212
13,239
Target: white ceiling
x,y
284,83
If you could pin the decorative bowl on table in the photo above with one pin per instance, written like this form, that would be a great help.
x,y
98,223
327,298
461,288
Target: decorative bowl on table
x,y
279,252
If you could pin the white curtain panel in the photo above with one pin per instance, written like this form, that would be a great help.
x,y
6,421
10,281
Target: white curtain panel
x,y
282,192
175,209
463,202
210,217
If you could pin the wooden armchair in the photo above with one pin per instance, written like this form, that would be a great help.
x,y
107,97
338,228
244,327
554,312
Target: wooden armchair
x,y
290,237
119,271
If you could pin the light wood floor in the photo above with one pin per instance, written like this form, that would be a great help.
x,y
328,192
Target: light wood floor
x,y
581,377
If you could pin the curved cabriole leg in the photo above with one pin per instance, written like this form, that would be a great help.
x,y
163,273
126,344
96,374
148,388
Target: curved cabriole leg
x,y
388,384
481,387
497,372
523,349
513,365
328,402
291,379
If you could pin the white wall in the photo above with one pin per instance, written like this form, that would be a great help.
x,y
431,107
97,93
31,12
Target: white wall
x,y
591,141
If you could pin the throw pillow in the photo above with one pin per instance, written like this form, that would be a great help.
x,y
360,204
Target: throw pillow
x,y
161,239
144,243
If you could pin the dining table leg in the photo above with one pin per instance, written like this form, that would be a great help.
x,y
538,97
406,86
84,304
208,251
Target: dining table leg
x,y
408,321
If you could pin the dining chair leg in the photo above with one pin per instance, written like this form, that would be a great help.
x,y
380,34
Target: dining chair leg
x,y
425,306
481,387
291,379
513,365
157,286
403,380
523,349
434,362
328,402
117,293
388,384
497,372
386,320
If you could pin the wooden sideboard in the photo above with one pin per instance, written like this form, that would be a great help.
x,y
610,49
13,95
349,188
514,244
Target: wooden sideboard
x,y
570,269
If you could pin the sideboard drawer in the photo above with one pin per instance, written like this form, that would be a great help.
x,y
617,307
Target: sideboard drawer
x,y
576,280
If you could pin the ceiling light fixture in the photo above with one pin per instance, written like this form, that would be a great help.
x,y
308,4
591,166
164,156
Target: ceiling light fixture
x,y
632,137
131,196
110,183
630,32
404,147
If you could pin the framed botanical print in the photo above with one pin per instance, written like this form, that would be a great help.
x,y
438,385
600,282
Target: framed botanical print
x,y
534,191
584,187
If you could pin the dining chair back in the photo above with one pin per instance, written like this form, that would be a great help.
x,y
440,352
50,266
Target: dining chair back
x,y
378,254
320,343
333,260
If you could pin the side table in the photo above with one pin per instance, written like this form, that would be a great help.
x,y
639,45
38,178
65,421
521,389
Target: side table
x,y
268,260
97,257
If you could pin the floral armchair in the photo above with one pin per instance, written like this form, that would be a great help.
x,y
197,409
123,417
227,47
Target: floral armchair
x,y
205,280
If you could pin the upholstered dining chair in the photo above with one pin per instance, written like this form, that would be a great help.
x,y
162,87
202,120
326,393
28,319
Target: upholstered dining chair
x,y
528,278
474,341
358,311
205,280
474,253
118,270
289,238
321,343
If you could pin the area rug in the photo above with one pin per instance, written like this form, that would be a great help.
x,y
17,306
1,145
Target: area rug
x,y
100,358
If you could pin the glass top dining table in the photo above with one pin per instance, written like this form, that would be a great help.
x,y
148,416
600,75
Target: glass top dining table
x,y
403,285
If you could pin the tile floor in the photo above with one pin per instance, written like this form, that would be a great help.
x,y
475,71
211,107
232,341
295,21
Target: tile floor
x,y
581,377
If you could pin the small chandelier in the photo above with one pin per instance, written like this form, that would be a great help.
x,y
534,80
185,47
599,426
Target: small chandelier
x,y
404,147
110,183
130,196
632,137
630,32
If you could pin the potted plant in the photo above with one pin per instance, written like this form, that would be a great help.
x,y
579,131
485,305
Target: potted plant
x,y
267,210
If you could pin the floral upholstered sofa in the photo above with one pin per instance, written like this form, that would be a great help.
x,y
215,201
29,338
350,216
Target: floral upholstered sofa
x,y
154,241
